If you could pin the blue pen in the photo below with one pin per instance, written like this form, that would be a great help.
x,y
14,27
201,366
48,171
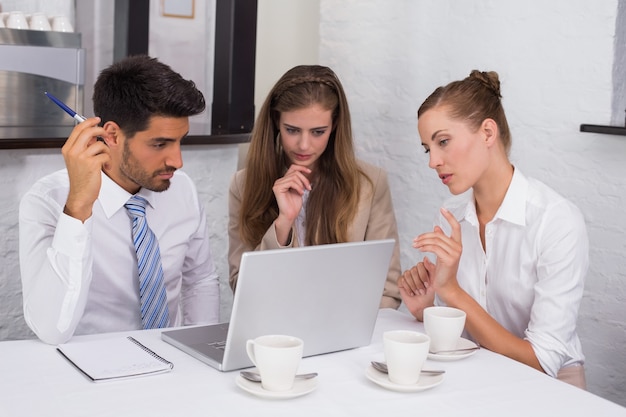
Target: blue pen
x,y
69,111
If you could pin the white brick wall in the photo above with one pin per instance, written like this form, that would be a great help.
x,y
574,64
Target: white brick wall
x,y
19,169
555,59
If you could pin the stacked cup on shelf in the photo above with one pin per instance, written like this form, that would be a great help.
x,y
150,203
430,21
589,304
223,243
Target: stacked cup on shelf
x,y
35,21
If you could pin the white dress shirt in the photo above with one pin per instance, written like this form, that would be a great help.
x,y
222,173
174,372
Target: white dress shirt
x,y
530,276
81,278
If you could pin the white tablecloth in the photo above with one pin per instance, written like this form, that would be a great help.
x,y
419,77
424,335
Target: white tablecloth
x,y
35,380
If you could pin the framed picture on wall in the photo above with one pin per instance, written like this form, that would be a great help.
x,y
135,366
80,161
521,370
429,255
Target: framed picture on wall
x,y
178,8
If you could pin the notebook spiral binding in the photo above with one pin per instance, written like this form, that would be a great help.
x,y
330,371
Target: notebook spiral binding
x,y
150,351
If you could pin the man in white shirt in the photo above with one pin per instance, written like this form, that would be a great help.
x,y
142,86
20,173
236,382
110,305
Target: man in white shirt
x,y
77,256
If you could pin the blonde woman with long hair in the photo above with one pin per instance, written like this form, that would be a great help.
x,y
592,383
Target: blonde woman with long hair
x,y
302,184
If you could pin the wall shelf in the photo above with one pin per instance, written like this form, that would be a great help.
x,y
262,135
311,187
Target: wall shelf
x,y
57,142
608,130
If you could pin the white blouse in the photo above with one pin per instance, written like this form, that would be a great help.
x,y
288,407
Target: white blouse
x,y
530,276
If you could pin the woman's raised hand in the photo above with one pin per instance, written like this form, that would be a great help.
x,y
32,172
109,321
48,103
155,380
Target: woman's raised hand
x,y
448,250
288,191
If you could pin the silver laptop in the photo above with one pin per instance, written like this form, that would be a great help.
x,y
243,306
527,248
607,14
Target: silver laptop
x,y
327,295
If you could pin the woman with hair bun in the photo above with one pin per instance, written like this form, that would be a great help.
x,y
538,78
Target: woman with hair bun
x,y
510,251
302,184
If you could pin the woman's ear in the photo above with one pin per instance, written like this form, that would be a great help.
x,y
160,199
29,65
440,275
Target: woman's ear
x,y
489,128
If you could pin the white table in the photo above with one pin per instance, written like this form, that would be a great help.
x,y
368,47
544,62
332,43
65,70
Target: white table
x,y
35,380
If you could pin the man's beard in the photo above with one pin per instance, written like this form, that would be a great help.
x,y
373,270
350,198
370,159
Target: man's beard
x,y
132,169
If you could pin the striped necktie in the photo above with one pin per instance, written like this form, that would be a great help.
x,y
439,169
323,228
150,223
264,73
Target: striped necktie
x,y
154,311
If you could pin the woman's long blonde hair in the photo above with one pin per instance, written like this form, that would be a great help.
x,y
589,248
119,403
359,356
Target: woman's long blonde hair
x,y
333,201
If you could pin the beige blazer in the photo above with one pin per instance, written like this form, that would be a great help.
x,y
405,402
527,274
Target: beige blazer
x,y
374,220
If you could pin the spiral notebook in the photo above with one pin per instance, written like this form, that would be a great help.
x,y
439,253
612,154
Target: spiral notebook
x,y
115,358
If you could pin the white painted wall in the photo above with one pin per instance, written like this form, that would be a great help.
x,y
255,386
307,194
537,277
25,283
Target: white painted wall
x,y
287,35
555,59
619,67
188,45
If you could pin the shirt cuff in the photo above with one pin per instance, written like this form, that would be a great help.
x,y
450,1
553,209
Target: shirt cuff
x,y
72,236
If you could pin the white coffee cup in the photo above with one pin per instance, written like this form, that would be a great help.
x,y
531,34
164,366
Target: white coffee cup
x,y
277,358
39,21
17,20
405,354
444,325
61,24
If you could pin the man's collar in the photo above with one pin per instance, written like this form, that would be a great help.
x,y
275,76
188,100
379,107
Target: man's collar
x,y
112,197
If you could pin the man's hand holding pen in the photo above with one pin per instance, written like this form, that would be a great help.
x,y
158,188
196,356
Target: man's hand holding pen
x,y
85,157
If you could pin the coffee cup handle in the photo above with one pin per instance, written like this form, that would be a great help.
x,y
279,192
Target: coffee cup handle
x,y
250,351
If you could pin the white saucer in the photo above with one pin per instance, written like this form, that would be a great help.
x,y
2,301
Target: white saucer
x,y
455,356
425,382
300,387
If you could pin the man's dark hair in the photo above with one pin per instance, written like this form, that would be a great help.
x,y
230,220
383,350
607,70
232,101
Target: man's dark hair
x,y
136,88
